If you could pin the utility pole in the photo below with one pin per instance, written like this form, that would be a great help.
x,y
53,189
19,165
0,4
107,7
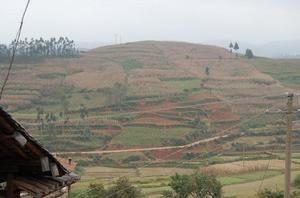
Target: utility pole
x,y
120,39
288,145
243,155
116,39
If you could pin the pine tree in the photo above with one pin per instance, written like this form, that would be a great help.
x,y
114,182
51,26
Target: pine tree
x,y
236,46
249,53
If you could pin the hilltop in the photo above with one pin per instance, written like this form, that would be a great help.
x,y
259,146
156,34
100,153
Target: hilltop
x,y
148,68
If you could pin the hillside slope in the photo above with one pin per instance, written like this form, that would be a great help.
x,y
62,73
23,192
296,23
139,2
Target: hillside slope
x,y
141,94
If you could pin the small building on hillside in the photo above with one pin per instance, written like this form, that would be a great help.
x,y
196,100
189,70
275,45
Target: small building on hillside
x,y
26,168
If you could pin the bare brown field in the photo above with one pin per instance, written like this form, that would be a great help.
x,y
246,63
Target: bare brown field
x,y
97,79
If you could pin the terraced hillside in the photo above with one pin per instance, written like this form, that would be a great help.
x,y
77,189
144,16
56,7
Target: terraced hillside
x,y
145,94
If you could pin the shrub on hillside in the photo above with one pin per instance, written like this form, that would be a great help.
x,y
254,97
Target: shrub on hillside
x,y
189,156
249,53
268,193
132,158
297,181
121,189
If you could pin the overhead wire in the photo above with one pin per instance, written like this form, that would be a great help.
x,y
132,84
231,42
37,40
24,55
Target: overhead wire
x,y
222,133
15,45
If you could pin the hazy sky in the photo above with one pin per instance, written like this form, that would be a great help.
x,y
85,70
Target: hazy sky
x,y
254,21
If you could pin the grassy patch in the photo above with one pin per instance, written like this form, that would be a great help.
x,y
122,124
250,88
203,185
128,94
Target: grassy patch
x,y
248,177
53,143
51,75
249,189
131,64
177,78
181,84
147,136
122,156
287,71
89,99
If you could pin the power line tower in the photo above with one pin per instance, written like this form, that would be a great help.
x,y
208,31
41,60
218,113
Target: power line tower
x,y
288,145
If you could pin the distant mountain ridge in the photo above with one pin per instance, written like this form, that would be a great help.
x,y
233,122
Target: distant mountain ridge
x,y
87,45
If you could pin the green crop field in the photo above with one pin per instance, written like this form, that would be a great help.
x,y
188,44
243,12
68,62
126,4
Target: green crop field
x,y
284,70
183,84
248,177
153,181
150,136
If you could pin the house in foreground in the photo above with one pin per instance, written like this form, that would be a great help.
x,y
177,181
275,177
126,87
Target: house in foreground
x,y
26,168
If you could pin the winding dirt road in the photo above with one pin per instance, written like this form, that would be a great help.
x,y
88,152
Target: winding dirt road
x,y
204,141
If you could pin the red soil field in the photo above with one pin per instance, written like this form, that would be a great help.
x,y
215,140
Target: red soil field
x,y
222,116
214,106
143,106
168,154
201,96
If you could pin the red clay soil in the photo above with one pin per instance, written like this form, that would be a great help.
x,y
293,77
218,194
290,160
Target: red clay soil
x,y
223,127
223,116
201,96
211,147
155,107
168,154
214,106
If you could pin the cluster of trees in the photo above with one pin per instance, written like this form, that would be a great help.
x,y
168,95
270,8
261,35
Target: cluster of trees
x,y
196,185
235,46
182,186
269,193
61,47
121,189
42,115
202,131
